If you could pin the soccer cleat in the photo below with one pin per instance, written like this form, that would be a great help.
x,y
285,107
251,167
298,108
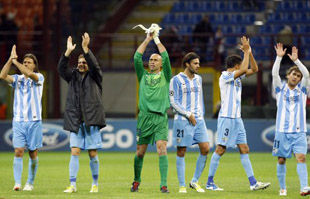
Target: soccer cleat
x,y
182,190
196,186
17,187
28,187
164,189
283,192
213,187
305,191
259,186
135,187
94,189
70,189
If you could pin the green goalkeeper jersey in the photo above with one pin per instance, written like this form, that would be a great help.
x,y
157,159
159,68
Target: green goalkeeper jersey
x,y
153,88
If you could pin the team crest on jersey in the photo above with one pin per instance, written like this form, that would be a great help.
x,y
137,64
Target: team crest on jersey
x,y
171,93
178,140
238,83
137,138
152,80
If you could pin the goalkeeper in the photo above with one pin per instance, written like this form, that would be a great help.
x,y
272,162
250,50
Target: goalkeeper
x,y
152,125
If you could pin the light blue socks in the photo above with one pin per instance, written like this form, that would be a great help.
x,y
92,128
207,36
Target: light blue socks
x,y
73,169
18,169
200,165
94,167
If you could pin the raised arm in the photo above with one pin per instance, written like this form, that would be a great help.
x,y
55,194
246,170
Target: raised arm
x,y
253,66
138,62
276,80
165,57
6,68
245,47
91,60
24,70
64,71
301,67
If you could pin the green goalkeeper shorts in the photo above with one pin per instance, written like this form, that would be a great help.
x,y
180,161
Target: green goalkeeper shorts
x,y
151,127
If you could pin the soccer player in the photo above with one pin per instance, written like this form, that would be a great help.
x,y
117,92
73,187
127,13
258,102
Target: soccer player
x,y
189,127
27,109
152,124
230,126
291,126
84,114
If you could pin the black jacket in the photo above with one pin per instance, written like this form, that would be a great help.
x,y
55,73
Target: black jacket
x,y
84,97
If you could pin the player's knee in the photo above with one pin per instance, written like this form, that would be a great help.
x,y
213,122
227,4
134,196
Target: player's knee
x,y
75,151
140,154
301,159
19,152
220,150
281,161
181,151
162,150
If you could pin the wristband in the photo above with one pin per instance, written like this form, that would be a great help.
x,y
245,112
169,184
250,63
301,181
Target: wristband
x,y
156,40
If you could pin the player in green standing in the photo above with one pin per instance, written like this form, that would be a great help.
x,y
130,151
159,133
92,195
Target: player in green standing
x,y
152,125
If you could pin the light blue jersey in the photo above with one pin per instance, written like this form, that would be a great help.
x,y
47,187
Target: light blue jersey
x,y
27,98
230,95
291,104
186,96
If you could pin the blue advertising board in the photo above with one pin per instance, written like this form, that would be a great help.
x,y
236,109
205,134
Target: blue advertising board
x,y
120,135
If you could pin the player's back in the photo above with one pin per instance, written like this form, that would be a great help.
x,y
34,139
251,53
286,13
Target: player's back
x,y
230,90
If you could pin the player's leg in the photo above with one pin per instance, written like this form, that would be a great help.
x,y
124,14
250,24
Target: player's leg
x,y
94,168
18,168
73,168
200,165
77,142
138,164
93,142
144,136
215,159
19,142
244,150
246,163
300,151
161,146
281,174
182,137
282,148
180,162
224,138
34,141
200,137
161,138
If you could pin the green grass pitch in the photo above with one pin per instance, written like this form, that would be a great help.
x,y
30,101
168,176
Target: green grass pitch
x,y
116,175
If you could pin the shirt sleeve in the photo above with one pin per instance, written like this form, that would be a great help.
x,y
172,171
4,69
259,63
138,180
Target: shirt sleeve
x,y
174,96
276,80
228,76
305,73
138,63
166,65
41,79
15,78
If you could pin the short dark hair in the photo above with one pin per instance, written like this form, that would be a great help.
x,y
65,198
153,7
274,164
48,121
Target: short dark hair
x,y
233,60
189,57
35,61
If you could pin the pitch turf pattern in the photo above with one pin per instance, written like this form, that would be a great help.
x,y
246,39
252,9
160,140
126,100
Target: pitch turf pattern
x,y
116,176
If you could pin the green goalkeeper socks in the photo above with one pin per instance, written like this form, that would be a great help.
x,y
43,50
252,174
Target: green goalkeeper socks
x,y
163,168
138,168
